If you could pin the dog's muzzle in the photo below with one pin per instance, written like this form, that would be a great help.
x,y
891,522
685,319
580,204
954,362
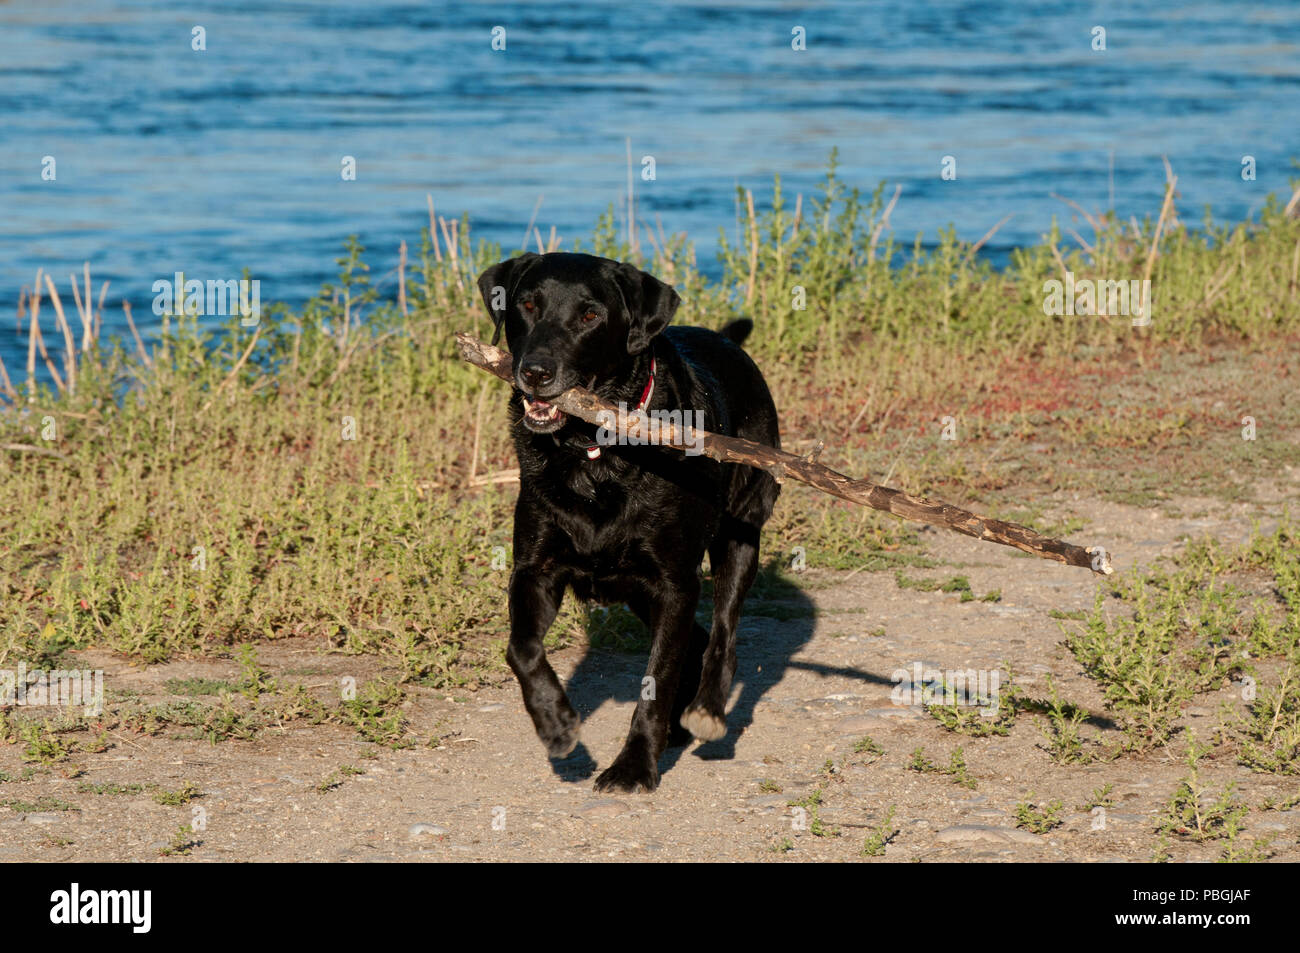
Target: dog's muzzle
x,y
541,416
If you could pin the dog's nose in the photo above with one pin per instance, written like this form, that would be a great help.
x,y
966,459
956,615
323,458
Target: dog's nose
x,y
537,372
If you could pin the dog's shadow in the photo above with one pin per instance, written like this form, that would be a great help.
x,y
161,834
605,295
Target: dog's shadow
x,y
614,663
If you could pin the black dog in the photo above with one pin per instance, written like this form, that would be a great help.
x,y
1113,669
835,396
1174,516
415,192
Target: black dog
x,y
628,524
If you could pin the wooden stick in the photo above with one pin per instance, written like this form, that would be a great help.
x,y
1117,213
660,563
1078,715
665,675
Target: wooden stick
x,y
139,344
453,250
993,231
34,303
501,476
1171,183
528,232
587,406
45,355
81,309
234,371
6,385
70,349
88,319
99,312
478,432
880,226
631,208
433,227
401,277
29,448
753,247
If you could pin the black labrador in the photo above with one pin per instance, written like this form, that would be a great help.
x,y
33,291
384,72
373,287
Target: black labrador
x,y
622,523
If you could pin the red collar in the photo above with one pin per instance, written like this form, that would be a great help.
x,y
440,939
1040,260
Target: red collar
x,y
593,449
649,387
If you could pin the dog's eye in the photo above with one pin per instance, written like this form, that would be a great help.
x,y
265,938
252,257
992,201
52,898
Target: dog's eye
x,y
529,307
589,316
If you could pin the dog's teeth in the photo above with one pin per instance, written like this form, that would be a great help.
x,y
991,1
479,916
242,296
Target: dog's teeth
x,y
528,407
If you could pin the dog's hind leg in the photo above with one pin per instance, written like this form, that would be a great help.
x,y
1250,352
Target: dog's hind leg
x,y
535,598
687,687
735,563
733,554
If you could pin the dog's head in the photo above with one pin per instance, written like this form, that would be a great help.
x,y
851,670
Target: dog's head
x,y
571,320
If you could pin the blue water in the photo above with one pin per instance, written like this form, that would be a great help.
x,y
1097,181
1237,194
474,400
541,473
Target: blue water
x,y
207,162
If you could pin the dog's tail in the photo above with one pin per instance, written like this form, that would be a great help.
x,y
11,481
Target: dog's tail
x,y
736,331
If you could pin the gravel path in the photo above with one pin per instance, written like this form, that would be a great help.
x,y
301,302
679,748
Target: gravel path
x,y
808,689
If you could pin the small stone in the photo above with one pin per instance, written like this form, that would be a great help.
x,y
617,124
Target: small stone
x,y
492,706
426,830
872,719
858,723
965,834
898,713
42,819
1128,820
602,807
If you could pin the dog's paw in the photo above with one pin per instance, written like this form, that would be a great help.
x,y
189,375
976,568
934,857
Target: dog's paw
x,y
703,725
628,775
564,737
560,748
679,737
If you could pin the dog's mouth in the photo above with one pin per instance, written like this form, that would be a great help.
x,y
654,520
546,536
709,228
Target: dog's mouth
x,y
542,417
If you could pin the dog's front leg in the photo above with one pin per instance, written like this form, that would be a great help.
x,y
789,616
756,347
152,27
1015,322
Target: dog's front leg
x,y
535,597
672,616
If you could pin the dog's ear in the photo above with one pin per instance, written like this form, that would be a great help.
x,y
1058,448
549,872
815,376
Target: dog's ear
x,y
497,286
650,305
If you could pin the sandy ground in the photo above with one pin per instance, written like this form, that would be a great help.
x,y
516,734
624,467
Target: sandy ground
x,y
807,690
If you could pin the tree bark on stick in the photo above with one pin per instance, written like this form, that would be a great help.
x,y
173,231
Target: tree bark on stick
x,y
783,465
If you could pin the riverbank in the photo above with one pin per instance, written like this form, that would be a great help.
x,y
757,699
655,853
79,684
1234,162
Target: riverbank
x,y
232,520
